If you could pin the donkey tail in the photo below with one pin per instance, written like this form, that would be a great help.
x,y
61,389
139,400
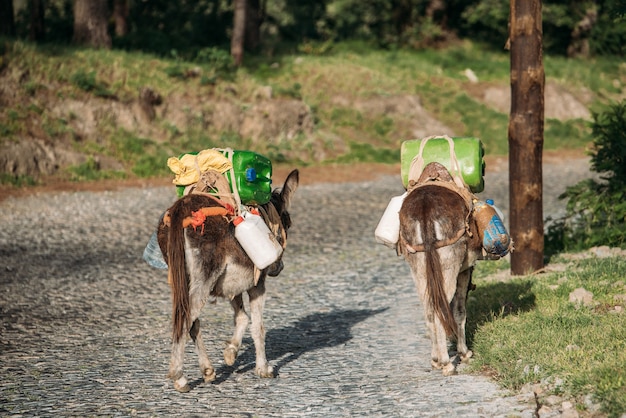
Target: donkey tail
x,y
435,288
177,272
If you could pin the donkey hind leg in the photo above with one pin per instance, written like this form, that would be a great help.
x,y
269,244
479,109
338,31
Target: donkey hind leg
x,y
417,263
459,304
178,354
176,366
241,323
439,357
206,368
257,303
450,258
198,294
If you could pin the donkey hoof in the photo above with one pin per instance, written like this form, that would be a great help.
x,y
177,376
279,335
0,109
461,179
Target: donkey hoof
x,y
267,371
181,385
435,364
208,374
449,370
465,358
230,354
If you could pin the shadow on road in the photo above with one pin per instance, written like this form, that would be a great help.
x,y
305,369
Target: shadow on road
x,y
313,332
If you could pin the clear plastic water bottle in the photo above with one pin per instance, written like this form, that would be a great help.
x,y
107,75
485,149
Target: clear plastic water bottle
x,y
497,209
152,253
495,238
388,229
256,239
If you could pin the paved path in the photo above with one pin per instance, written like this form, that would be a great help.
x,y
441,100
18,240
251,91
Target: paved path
x,y
85,322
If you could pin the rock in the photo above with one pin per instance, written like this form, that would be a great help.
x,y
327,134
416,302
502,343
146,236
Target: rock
x,y
559,103
471,76
568,410
581,295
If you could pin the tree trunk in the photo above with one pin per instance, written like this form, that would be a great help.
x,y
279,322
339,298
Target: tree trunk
x,y
579,45
37,29
254,19
7,18
90,23
239,30
120,17
526,136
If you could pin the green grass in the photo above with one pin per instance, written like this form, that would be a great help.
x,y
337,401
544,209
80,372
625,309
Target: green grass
x,y
91,171
525,330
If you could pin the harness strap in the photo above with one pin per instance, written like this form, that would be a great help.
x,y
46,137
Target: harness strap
x,y
272,219
468,199
438,244
233,182
417,164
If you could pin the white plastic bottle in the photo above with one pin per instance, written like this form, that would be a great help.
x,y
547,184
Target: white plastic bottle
x,y
256,239
388,229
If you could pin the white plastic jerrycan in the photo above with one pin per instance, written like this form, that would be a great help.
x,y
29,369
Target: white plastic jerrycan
x,y
256,239
388,229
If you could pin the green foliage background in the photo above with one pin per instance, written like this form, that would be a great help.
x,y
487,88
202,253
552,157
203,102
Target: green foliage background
x,y
162,26
596,207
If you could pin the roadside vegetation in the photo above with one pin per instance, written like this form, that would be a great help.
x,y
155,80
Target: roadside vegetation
x,y
530,333
563,332
322,78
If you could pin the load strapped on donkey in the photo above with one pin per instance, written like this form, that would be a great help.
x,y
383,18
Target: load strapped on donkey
x,y
463,159
241,182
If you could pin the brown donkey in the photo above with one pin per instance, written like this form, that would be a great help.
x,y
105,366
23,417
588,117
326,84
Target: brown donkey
x,y
438,239
207,261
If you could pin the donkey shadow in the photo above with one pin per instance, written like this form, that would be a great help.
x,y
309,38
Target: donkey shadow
x,y
492,301
313,332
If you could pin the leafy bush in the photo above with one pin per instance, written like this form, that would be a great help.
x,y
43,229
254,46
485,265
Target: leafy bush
x,y
90,171
17,181
363,152
596,210
87,81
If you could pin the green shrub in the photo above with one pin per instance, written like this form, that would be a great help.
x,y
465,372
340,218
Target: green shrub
x,y
17,181
87,82
363,152
90,171
596,209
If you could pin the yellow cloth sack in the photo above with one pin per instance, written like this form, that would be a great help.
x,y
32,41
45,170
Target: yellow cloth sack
x,y
189,167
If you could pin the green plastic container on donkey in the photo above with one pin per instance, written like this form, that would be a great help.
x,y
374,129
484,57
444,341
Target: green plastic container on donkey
x,y
469,153
253,177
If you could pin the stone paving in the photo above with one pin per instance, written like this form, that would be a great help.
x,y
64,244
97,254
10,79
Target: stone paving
x,y
85,321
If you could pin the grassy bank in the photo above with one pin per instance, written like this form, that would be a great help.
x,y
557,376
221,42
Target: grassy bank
x,y
338,84
526,330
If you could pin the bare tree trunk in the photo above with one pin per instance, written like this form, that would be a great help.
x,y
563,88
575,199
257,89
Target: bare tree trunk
x,y
255,15
7,18
239,30
120,17
526,136
90,23
37,29
579,46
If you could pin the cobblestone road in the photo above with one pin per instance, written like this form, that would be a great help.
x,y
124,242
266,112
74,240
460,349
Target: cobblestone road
x,y
85,322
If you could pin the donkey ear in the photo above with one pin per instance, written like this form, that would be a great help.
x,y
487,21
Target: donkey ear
x,y
290,186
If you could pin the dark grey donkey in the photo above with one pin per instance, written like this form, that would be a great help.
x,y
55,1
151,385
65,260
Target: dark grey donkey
x,y
204,260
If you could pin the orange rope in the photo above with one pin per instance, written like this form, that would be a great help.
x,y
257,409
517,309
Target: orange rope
x,y
198,217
